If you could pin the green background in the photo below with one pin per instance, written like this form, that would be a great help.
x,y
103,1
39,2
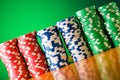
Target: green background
x,y
18,17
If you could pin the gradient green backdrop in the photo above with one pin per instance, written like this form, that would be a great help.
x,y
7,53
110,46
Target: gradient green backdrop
x,y
18,17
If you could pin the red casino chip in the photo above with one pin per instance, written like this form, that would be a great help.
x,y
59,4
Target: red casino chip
x,y
33,54
13,61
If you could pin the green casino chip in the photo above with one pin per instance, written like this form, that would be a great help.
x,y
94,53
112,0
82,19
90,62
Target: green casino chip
x,y
110,10
116,38
90,27
88,15
99,49
111,17
100,46
93,34
108,6
110,14
90,20
99,40
112,28
91,24
86,11
113,21
93,30
115,34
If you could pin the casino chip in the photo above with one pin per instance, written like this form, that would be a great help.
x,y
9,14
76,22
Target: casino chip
x,y
13,61
53,47
33,54
93,30
111,15
73,38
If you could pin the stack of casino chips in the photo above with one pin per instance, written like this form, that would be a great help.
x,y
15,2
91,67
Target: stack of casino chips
x,y
111,16
53,47
93,30
73,38
33,55
13,61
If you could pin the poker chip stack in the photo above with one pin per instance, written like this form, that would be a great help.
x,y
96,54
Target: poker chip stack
x,y
33,55
93,30
111,16
13,61
73,38
53,47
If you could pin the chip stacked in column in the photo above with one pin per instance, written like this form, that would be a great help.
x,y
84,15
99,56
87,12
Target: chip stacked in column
x,y
74,39
54,50
33,54
13,61
111,15
93,30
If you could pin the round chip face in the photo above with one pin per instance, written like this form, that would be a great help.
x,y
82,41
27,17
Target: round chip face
x,y
53,47
33,54
73,38
13,61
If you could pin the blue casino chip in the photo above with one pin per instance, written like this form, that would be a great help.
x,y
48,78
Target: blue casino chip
x,y
73,38
54,50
